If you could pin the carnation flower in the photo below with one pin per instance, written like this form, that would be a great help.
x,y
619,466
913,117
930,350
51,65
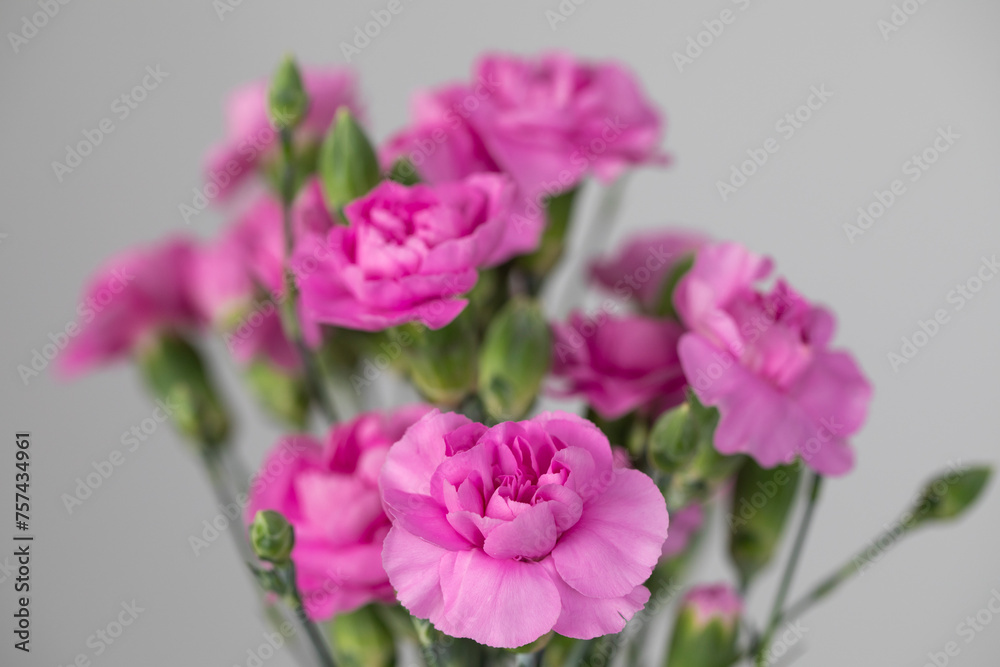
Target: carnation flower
x,y
619,364
441,143
328,491
551,121
713,602
409,253
503,534
763,359
134,297
250,137
548,122
642,265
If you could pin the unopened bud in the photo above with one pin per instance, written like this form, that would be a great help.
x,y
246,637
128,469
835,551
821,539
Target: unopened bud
x,y
287,99
706,629
516,353
348,167
272,537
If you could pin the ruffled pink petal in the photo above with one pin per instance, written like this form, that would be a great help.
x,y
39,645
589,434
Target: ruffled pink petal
x,y
617,542
413,565
531,534
585,617
412,461
499,603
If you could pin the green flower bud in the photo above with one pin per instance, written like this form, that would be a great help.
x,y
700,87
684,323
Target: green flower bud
x,y
287,99
442,362
272,537
674,439
282,393
404,172
559,211
706,629
175,373
681,446
361,639
516,354
762,502
348,167
949,495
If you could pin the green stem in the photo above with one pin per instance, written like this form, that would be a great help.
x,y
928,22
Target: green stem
x,y
846,571
312,631
224,496
790,567
289,311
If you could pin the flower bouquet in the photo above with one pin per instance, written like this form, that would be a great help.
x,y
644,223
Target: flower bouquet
x,y
389,305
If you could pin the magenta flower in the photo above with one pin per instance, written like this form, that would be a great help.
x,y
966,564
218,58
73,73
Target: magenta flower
x,y
644,262
714,602
250,138
441,143
763,360
551,121
503,534
329,492
135,296
618,364
409,253
684,525
548,122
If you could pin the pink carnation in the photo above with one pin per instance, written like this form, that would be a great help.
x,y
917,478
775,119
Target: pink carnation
x,y
643,263
250,138
547,121
714,602
763,359
409,253
136,295
619,364
551,121
441,143
503,534
329,492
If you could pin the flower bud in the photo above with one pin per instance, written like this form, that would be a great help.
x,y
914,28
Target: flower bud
x,y
515,357
762,502
360,638
674,439
272,537
404,172
706,629
693,476
558,210
949,495
174,371
282,393
287,99
442,362
348,167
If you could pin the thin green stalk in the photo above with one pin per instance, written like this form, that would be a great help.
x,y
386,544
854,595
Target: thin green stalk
x,y
289,312
224,496
312,631
790,567
846,571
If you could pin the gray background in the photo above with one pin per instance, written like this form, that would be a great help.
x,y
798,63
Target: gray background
x,y
130,539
